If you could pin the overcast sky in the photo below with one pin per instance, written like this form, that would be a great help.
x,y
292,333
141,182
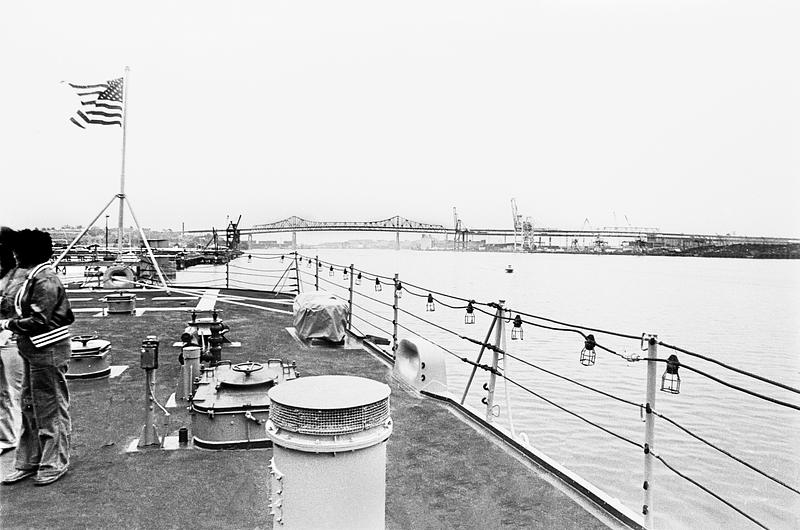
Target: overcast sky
x,y
681,115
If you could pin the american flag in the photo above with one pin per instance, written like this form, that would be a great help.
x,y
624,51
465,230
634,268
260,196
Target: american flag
x,y
101,104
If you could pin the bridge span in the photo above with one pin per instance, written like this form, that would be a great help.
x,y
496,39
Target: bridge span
x,y
533,237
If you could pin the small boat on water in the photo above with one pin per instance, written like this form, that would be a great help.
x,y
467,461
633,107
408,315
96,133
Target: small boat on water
x,y
509,269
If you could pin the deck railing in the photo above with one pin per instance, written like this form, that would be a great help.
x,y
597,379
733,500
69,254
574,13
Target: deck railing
x,y
292,273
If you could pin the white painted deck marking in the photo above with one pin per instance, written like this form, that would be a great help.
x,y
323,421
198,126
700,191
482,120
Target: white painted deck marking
x,y
167,309
208,301
170,443
169,298
133,447
80,299
117,370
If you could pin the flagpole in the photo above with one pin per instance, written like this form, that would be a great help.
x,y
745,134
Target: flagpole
x,y
122,173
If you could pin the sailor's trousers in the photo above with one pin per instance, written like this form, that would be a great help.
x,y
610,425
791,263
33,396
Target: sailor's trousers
x,y
10,390
44,443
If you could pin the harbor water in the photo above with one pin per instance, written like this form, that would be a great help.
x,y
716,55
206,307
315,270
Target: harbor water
x,y
745,313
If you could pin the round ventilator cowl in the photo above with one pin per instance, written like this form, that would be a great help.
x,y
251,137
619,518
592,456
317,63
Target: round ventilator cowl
x,y
328,468
329,413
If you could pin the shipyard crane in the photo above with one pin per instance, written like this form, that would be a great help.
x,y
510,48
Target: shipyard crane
x,y
233,235
522,227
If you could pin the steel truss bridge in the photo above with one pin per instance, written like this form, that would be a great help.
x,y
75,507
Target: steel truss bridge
x,y
538,236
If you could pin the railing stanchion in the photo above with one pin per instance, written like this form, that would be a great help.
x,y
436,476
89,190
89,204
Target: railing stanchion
x,y
480,355
350,302
394,320
297,272
316,273
499,336
649,430
227,269
505,377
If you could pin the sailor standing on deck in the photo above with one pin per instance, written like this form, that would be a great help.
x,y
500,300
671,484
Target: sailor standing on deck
x,y
10,362
41,324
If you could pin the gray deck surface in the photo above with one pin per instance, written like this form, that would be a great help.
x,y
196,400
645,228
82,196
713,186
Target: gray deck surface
x,y
440,472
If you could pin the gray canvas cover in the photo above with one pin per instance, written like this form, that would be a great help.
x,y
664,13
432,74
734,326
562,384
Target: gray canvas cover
x,y
320,315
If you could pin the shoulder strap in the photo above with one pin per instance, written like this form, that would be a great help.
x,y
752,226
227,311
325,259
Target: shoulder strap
x,y
33,272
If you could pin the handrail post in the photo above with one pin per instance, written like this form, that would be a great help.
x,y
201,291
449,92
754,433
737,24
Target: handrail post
x,y
503,347
499,336
227,269
649,430
350,302
394,320
316,274
297,272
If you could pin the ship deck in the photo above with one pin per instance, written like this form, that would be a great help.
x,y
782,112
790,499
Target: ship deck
x,y
441,471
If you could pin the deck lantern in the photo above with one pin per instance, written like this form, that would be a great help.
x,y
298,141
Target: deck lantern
x,y
378,286
330,272
358,279
344,273
282,257
309,263
398,289
588,354
430,305
300,259
516,331
469,318
671,381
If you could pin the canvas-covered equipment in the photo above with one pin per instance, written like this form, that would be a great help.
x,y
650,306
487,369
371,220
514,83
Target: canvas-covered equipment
x,y
320,315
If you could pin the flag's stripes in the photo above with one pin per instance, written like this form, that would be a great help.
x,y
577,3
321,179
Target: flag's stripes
x,y
101,85
105,106
101,104
101,113
100,121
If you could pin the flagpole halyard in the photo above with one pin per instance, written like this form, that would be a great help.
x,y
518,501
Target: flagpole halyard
x,y
121,195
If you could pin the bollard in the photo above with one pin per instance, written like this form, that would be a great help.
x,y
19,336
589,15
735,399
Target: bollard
x,y
183,436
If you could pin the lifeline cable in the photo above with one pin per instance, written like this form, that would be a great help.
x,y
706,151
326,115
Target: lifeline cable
x,y
612,396
722,500
470,339
368,297
579,332
596,330
373,314
371,324
612,433
449,295
628,336
729,367
691,369
736,387
723,451
438,301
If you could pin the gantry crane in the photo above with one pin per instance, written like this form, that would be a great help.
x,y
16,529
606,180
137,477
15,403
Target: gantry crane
x,y
522,227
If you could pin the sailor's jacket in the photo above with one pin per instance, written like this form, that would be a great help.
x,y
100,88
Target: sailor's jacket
x,y
43,310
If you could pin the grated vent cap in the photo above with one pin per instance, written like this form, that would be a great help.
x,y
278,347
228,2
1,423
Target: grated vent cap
x,y
329,405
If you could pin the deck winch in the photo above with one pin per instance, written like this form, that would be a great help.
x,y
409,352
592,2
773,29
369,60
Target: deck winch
x,y
230,404
89,357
